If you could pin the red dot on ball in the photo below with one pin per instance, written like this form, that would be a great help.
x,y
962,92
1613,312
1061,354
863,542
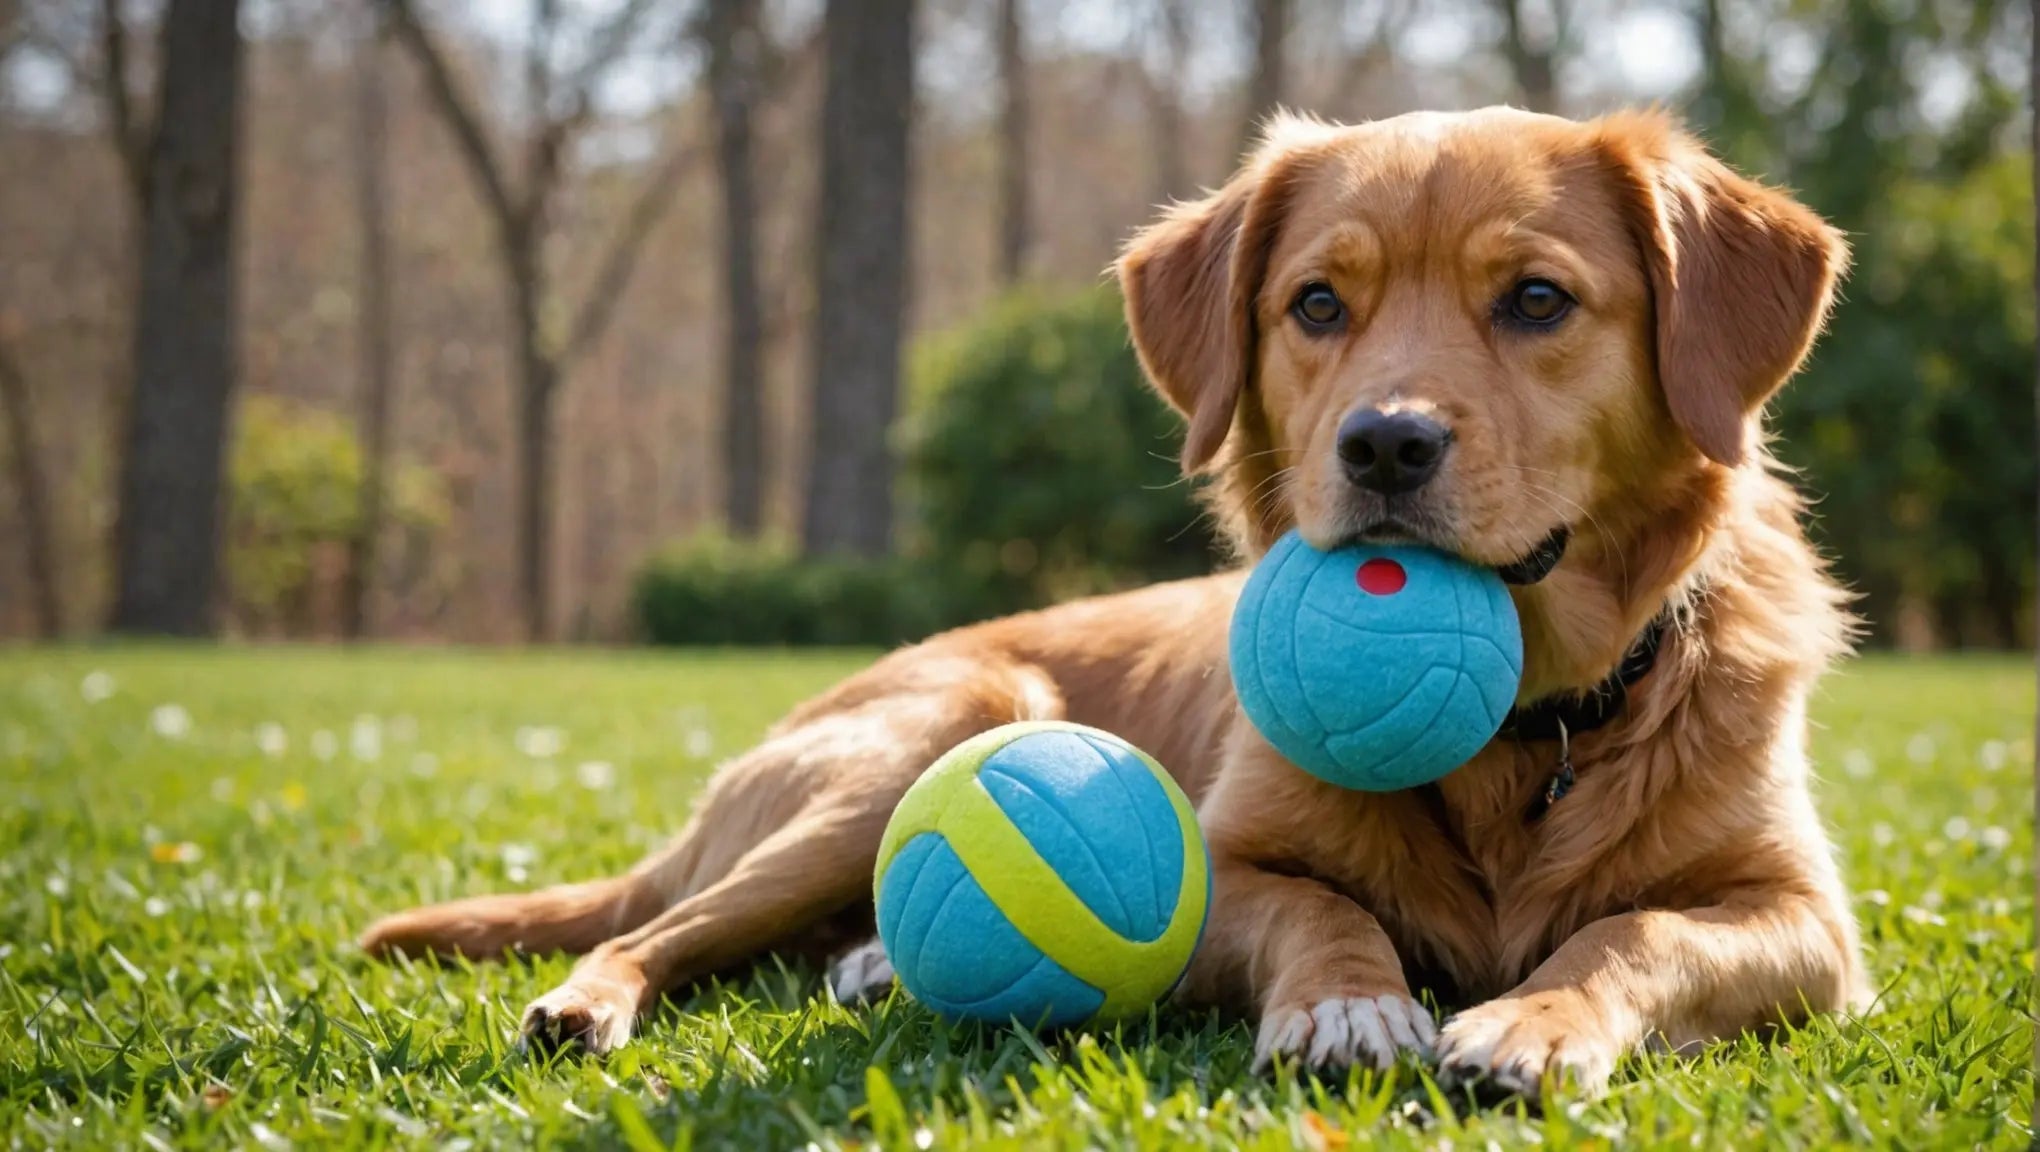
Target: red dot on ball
x,y
1381,577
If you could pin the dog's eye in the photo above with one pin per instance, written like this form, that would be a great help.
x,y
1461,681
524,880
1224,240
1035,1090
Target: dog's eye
x,y
1318,307
1537,303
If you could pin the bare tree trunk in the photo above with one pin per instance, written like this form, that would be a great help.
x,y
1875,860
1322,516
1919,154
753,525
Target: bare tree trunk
x,y
376,347
518,210
735,57
37,529
1015,223
861,274
1271,20
1165,102
1534,65
537,377
168,536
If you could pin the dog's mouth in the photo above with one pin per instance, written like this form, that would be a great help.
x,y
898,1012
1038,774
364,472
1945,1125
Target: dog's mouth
x,y
1523,571
1537,563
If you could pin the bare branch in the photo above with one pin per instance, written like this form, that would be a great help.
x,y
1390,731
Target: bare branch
x,y
627,245
131,137
460,116
608,43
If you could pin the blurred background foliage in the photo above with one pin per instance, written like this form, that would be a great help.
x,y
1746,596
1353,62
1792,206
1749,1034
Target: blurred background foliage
x,y
294,495
651,199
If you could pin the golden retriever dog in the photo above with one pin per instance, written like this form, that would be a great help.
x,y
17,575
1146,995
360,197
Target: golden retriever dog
x,y
1543,345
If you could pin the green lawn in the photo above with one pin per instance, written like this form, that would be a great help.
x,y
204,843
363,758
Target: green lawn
x,y
193,837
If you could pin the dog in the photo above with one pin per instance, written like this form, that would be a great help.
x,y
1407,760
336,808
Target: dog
x,y
1543,345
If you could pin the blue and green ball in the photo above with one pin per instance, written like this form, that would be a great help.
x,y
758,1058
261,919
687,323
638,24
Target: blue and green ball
x,y
1042,872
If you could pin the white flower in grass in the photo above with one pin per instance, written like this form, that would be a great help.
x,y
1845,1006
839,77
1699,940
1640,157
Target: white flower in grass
x,y
699,743
1877,896
271,738
57,886
1992,755
1919,915
595,775
365,739
1920,749
517,860
96,687
324,745
1858,764
170,721
1994,838
1956,828
541,742
156,906
1882,835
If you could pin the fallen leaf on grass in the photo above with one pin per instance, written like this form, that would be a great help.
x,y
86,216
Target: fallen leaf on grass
x,y
1319,1134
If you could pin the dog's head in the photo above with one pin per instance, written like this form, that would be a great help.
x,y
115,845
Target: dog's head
x,y
1485,331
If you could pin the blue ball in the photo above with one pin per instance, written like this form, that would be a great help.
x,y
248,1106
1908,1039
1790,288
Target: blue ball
x,y
1042,872
1375,667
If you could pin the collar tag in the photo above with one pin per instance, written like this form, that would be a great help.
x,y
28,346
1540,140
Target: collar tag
x,y
1561,782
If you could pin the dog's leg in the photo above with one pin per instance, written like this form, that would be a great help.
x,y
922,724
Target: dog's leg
x,y
1321,970
848,771
1685,976
861,743
749,799
863,973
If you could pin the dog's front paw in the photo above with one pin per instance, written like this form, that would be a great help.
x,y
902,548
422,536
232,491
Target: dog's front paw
x,y
863,973
1518,1044
592,1014
1344,1031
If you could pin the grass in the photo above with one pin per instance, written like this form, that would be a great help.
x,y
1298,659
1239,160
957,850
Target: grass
x,y
193,836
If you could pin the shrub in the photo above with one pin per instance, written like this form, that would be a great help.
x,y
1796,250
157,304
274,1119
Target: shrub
x,y
1037,463
712,589
295,478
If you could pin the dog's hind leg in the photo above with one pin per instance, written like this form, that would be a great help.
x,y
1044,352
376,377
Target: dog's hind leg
x,y
853,749
848,769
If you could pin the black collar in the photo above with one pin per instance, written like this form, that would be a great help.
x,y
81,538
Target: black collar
x,y
1571,714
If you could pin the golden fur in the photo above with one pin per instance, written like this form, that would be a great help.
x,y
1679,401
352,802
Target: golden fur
x,y
1683,891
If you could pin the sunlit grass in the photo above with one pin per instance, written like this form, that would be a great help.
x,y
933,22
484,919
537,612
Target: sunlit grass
x,y
193,836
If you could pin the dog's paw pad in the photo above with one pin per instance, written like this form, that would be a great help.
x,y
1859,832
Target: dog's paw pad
x,y
573,1017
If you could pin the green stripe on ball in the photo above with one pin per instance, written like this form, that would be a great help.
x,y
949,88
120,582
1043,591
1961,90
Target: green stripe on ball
x,y
951,801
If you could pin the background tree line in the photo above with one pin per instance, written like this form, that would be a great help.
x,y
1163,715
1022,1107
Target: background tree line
x,y
591,318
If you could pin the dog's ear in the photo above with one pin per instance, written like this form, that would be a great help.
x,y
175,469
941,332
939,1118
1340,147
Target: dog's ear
x,y
1192,283
1742,278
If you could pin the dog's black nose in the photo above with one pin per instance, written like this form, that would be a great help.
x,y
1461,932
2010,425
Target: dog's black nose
x,y
1391,452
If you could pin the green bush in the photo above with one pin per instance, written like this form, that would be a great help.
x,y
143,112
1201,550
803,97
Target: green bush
x,y
295,480
1037,464
712,589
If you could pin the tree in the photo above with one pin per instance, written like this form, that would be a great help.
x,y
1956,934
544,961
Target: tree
x,y
1270,20
736,50
182,167
1533,60
1014,212
32,488
519,205
861,274
377,348
1169,25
